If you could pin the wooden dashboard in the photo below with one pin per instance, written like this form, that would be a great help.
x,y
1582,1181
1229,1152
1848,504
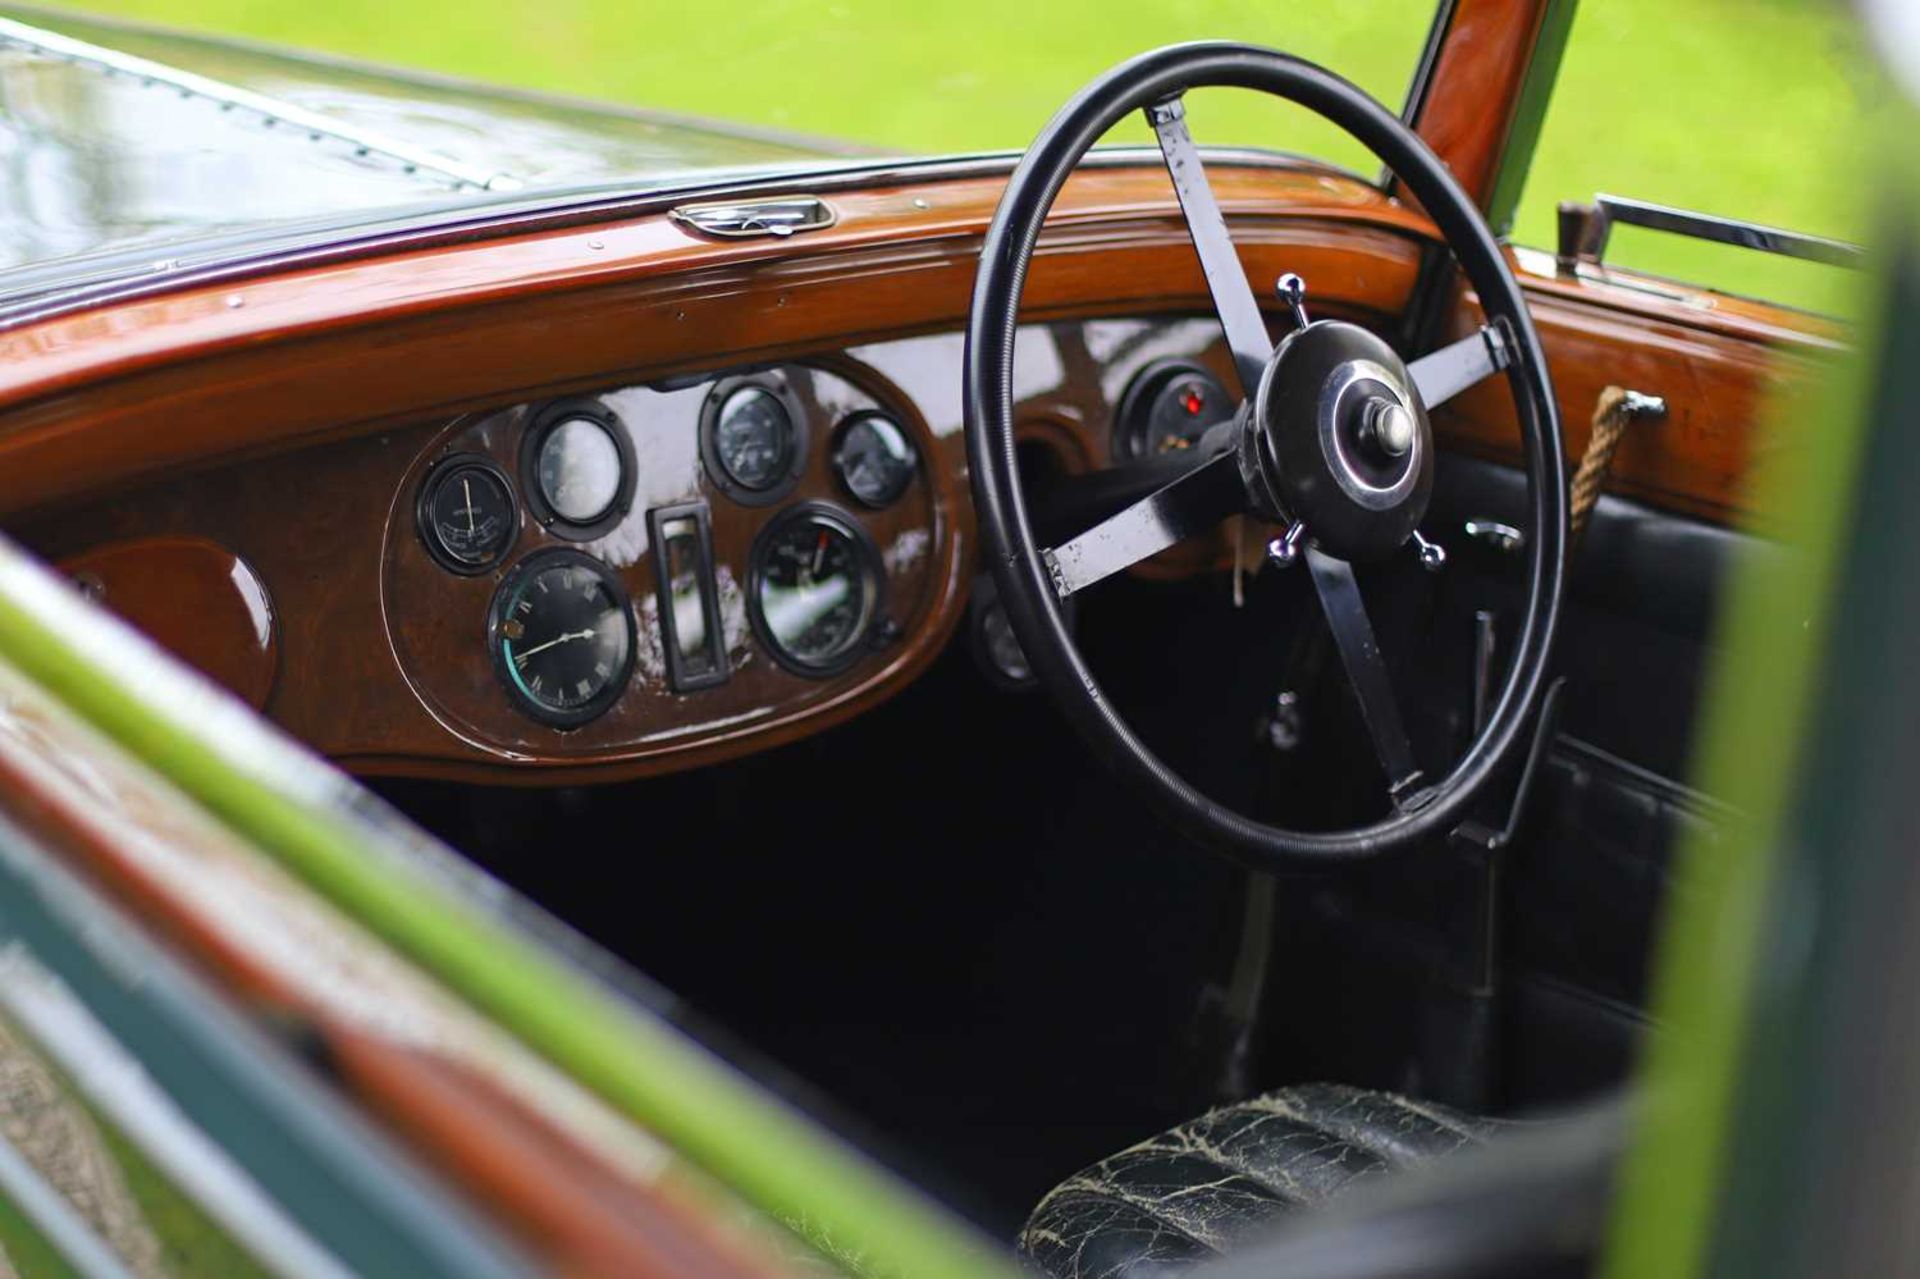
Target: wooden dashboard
x,y
383,654
241,469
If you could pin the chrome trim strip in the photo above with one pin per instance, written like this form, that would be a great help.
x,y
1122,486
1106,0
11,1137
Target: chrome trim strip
x,y
315,125
57,1220
325,1163
1614,209
104,1071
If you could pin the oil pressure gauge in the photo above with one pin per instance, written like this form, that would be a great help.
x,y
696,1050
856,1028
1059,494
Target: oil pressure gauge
x,y
467,515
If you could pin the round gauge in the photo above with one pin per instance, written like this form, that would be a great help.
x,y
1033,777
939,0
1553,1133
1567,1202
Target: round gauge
x,y
578,469
562,637
753,439
1168,406
467,514
874,458
814,589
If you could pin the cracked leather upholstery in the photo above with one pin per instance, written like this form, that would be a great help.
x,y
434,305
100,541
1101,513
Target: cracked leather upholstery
x,y
1194,1192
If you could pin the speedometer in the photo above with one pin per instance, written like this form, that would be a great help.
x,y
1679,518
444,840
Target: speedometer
x,y
814,589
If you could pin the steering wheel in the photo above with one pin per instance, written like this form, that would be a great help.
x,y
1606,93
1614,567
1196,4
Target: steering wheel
x,y
1331,441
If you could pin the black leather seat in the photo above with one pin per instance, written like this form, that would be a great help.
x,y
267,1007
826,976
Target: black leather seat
x,y
1193,1193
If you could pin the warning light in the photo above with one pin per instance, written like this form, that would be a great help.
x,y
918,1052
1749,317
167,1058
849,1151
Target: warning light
x,y
1193,402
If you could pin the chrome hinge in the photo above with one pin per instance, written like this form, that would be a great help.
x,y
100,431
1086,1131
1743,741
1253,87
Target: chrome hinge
x,y
737,219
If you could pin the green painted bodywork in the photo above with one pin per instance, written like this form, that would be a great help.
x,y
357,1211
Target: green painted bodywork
x,y
770,1156
25,1249
1757,710
1729,912
184,1239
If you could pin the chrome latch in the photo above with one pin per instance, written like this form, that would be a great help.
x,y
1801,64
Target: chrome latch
x,y
740,219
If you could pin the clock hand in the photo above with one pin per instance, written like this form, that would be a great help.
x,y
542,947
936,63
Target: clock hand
x,y
520,658
466,489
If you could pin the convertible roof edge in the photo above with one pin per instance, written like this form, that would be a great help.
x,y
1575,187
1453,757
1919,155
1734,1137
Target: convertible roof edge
x,y
113,62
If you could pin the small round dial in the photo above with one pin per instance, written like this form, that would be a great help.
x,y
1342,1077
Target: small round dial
x,y
562,636
579,469
875,459
753,438
815,589
467,515
1168,407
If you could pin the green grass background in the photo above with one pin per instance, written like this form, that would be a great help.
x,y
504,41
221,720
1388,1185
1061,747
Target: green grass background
x,y
1750,108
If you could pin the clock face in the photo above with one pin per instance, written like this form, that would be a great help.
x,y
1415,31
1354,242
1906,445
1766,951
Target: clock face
x,y
563,637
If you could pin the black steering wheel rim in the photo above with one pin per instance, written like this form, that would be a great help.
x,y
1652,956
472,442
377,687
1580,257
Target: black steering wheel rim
x,y
1015,559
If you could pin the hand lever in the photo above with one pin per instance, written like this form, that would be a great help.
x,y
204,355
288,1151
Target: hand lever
x,y
1293,290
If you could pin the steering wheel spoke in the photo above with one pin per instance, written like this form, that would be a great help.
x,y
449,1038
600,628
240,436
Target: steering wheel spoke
x,y
1440,375
1233,297
1366,671
1191,504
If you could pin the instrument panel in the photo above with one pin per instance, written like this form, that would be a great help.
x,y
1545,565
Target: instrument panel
x,y
602,571
627,578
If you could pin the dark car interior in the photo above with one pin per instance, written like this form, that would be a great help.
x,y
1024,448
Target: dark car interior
x,y
967,935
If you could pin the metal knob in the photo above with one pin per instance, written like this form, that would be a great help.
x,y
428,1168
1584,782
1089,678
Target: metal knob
x,y
1433,556
1293,290
1641,405
1284,551
1388,426
1284,728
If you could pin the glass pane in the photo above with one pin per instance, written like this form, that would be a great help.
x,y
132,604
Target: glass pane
x,y
915,78
1749,109
680,539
